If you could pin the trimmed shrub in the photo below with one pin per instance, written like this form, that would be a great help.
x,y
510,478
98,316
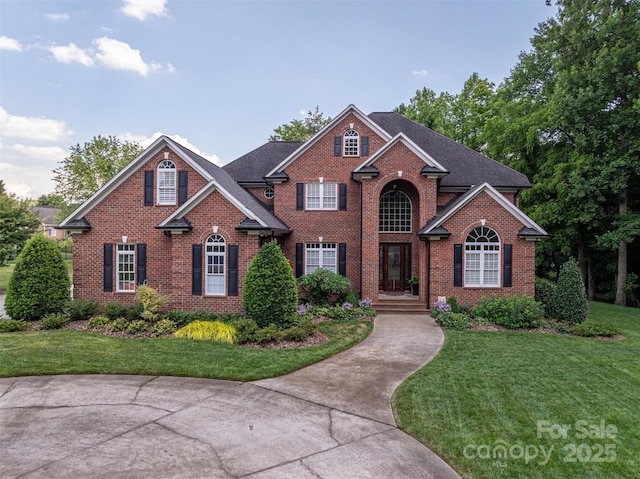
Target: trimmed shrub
x,y
270,292
545,294
511,311
115,310
322,285
208,331
268,334
454,320
82,309
151,301
12,325
453,302
181,318
162,327
55,320
299,332
119,324
590,329
137,326
570,299
245,329
39,284
350,297
98,322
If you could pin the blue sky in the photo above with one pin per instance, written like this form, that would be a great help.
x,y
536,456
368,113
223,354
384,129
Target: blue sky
x,y
221,75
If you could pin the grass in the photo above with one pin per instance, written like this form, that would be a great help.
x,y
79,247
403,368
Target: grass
x,y
79,352
7,271
486,389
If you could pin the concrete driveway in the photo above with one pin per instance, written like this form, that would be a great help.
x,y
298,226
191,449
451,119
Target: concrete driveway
x,y
330,420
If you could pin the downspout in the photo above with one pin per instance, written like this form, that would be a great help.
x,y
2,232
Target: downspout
x,y
428,274
361,244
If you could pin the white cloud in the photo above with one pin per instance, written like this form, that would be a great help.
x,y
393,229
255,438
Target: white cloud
x,y
40,153
141,9
145,141
43,129
419,73
58,17
7,43
118,55
27,181
171,68
71,53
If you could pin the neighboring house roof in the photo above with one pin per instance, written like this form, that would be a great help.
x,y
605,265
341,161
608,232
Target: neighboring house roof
x,y
47,214
250,169
466,167
434,226
217,179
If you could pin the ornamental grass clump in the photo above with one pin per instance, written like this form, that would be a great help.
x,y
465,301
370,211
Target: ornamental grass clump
x,y
208,331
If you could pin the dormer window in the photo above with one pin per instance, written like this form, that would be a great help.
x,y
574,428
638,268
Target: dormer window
x,y
167,183
351,143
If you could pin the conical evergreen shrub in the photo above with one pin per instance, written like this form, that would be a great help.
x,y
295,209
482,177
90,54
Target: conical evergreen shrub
x,y
570,299
270,291
40,283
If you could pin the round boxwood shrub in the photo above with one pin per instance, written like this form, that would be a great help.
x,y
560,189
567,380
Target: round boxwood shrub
x,y
322,285
570,299
39,284
270,292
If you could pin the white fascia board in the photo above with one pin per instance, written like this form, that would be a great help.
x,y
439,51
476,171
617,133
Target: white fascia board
x,y
177,148
205,191
500,199
311,141
402,138
116,181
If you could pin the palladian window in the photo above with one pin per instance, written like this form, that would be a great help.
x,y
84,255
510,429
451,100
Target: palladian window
x,y
482,258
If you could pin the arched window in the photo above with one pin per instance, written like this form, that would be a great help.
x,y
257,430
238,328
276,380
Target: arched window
x,y
395,212
351,143
215,275
482,258
167,183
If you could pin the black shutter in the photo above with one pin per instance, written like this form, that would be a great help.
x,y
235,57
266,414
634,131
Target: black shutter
x,y
196,269
299,196
457,265
183,181
107,267
507,266
141,263
343,196
233,270
148,188
364,150
342,259
299,259
337,146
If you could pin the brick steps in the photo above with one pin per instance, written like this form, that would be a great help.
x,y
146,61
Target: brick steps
x,y
386,306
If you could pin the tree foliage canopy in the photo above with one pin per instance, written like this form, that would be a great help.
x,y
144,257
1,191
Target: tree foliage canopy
x,y
91,165
301,130
17,224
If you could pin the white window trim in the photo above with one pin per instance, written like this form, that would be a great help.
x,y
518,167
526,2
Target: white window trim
x,y
164,168
323,196
321,248
268,193
486,248
122,250
222,254
350,135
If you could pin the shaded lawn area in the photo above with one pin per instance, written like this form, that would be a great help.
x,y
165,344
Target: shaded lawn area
x,y
78,352
490,389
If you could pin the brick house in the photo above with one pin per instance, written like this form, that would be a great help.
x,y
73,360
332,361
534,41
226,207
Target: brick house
x,y
377,198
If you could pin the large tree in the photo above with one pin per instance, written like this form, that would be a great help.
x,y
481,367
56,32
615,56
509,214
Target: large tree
x,y
91,165
301,130
17,224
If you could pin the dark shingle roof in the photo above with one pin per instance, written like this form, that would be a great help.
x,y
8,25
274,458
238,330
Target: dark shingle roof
x,y
467,167
225,181
252,167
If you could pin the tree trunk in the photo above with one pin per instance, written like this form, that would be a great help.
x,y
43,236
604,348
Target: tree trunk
x,y
591,285
621,279
583,261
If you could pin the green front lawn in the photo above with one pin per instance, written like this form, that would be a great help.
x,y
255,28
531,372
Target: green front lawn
x,y
76,352
515,389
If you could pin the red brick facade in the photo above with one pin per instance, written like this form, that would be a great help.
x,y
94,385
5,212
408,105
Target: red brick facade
x,y
119,211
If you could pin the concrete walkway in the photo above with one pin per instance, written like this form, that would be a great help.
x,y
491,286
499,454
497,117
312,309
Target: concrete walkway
x,y
329,420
